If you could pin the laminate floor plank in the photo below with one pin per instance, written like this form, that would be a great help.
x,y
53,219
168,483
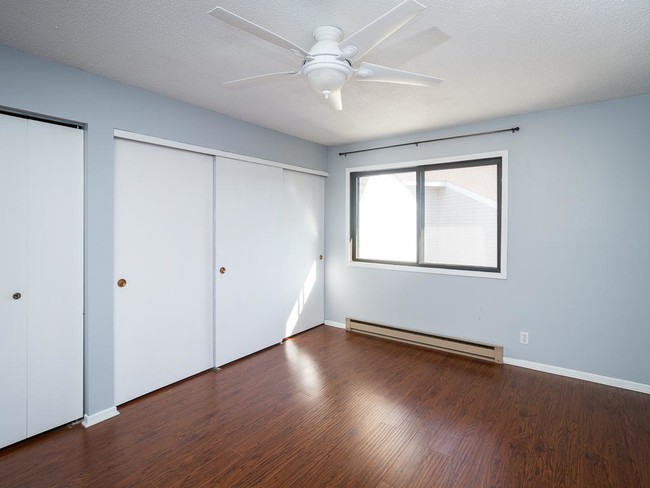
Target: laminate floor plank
x,y
334,409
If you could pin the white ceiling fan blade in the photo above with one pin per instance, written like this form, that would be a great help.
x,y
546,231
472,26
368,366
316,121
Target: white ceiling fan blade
x,y
256,30
335,101
260,78
376,72
361,42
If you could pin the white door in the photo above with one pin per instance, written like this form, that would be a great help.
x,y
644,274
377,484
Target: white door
x,y
248,217
41,282
303,223
13,279
55,275
164,253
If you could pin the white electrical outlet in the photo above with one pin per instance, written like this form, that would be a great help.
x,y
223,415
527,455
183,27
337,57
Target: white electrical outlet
x,y
523,337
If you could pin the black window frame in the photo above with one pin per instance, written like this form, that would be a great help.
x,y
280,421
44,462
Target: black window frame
x,y
420,171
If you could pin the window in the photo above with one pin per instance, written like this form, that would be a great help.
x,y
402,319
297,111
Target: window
x,y
437,216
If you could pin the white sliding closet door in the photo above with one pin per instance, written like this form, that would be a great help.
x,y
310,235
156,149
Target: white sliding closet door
x,y
164,251
41,277
303,224
248,294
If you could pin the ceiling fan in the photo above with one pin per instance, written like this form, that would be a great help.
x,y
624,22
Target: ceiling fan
x,y
331,61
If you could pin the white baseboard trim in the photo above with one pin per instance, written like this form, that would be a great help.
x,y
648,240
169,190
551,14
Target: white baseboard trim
x,y
580,375
95,418
338,325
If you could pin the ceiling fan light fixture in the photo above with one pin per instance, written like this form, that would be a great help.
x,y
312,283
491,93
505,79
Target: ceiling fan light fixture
x,y
326,78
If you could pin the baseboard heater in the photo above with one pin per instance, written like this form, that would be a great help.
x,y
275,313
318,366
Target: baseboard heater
x,y
476,350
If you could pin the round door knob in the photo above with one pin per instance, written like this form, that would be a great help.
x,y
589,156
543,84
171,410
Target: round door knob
x,y
320,257
16,296
222,270
121,282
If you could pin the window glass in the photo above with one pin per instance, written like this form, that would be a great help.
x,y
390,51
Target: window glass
x,y
460,216
387,217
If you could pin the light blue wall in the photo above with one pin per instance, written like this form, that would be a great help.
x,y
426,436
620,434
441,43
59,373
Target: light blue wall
x,y
578,244
30,84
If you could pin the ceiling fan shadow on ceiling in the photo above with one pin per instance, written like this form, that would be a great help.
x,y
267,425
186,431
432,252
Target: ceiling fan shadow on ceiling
x,y
331,61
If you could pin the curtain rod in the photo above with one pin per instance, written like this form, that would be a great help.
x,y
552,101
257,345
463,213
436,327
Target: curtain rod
x,y
417,143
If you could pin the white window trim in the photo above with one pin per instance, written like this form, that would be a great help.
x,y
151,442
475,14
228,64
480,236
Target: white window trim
x,y
502,274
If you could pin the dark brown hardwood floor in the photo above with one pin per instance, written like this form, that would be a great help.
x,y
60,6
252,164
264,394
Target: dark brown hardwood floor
x,y
329,408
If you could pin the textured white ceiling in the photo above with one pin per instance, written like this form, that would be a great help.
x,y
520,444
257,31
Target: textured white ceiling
x,y
497,58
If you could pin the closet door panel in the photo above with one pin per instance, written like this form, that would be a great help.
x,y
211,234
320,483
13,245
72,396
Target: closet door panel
x,y
13,279
41,282
303,224
164,250
248,216
55,275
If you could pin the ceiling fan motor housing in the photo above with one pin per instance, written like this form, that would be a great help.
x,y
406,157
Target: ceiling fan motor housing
x,y
326,68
